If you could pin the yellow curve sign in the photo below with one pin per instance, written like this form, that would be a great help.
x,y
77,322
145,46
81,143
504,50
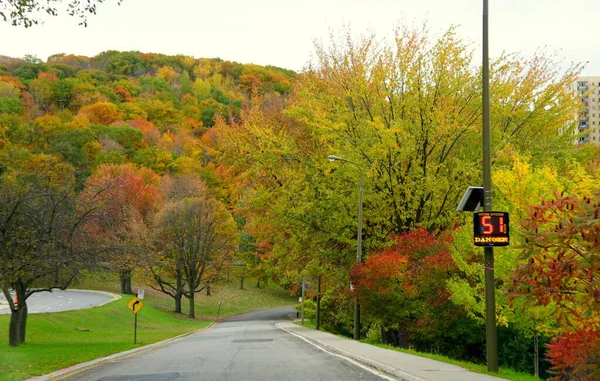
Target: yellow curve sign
x,y
135,305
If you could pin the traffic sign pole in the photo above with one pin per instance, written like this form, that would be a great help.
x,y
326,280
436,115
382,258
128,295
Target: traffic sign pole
x,y
135,330
135,305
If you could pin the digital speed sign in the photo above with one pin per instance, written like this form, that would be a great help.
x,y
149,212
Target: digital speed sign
x,y
491,229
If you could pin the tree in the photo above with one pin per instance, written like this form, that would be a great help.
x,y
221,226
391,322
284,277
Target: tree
x,y
410,113
199,239
42,245
563,258
130,198
103,112
167,267
27,13
403,289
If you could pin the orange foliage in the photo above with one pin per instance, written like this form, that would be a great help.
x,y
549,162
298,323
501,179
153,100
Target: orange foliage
x,y
250,83
123,93
101,112
576,356
13,81
47,76
148,129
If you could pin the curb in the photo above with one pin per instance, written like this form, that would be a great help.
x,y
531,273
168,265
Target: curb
x,y
386,369
72,370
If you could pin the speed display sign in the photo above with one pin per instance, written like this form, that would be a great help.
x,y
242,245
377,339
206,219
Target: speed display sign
x,y
491,229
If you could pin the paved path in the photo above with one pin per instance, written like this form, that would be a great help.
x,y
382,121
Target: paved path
x,y
61,300
401,366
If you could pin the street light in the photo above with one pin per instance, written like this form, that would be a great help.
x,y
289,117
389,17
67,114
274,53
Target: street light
x,y
491,339
358,240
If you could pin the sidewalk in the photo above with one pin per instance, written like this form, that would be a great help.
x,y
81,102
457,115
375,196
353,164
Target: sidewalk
x,y
396,364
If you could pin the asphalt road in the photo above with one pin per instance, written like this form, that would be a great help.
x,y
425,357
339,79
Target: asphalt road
x,y
244,348
59,300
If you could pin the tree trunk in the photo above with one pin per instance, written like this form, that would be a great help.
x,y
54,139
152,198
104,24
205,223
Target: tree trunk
x,y
536,354
179,284
242,278
257,282
207,290
192,309
125,277
18,324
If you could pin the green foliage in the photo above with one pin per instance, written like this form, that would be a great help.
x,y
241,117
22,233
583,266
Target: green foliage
x,y
156,159
127,137
13,128
121,63
112,157
11,106
69,143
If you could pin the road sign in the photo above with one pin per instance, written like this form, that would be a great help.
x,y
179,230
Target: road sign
x,y
135,305
491,229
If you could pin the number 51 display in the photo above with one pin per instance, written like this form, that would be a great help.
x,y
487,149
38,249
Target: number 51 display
x,y
491,229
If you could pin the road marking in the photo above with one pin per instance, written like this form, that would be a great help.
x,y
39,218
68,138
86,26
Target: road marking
x,y
369,369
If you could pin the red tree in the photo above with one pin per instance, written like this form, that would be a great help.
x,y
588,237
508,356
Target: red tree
x,y
127,197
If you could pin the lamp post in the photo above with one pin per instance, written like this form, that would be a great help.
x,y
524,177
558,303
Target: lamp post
x,y
490,289
358,240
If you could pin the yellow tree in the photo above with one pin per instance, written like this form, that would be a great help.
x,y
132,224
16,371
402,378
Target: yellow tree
x,y
199,237
410,114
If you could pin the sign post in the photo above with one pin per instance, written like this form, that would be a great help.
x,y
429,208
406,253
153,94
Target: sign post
x,y
135,305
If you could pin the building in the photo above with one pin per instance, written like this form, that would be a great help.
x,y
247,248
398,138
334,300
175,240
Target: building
x,y
587,90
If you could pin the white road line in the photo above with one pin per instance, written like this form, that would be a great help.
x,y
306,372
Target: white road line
x,y
371,370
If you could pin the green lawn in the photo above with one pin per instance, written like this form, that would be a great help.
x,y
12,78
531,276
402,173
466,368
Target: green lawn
x,y
58,340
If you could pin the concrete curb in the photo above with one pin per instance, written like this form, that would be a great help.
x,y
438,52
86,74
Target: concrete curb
x,y
62,373
388,370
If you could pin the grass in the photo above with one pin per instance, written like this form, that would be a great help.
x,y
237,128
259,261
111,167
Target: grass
x,y
503,372
233,299
58,340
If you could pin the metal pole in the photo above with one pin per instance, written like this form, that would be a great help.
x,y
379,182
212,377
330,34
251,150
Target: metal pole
x,y
358,241
490,295
358,255
135,329
302,305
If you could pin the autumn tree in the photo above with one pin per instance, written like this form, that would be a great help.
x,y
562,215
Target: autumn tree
x,y
410,115
199,235
167,266
127,204
559,268
103,112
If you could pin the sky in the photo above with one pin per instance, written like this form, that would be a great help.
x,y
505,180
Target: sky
x,y
282,33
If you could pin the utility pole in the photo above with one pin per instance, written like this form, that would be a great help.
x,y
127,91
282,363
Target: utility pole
x,y
490,289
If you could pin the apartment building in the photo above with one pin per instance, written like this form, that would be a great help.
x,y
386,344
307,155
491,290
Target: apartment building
x,y
588,129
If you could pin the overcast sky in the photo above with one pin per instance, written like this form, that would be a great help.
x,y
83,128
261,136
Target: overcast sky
x,y
282,32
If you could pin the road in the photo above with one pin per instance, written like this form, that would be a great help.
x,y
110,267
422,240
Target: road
x,y
244,348
59,300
